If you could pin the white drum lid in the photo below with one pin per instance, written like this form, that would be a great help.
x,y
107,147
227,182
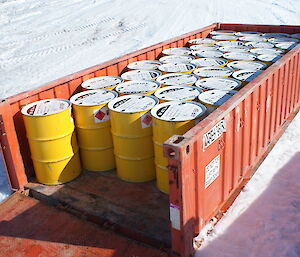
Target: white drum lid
x,y
248,33
141,75
224,84
269,57
246,75
204,47
209,62
177,67
178,93
177,51
246,65
201,41
272,35
297,36
93,97
277,40
286,45
46,107
208,53
176,58
222,32
253,38
137,87
259,51
224,37
102,82
230,43
227,49
210,72
144,65
240,56
260,44
215,97
132,103
177,79
178,111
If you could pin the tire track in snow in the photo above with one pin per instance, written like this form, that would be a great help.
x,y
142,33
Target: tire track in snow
x,y
63,31
4,63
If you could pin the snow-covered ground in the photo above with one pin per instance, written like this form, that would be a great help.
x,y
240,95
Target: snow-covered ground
x,y
43,40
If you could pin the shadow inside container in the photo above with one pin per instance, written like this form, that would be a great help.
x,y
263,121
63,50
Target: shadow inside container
x,y
270,226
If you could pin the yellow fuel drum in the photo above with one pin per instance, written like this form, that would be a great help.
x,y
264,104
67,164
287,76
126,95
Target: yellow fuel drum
x,y
171,118
132,136
92,122
52,141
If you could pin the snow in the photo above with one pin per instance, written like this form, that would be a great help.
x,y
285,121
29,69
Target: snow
x,y
43,40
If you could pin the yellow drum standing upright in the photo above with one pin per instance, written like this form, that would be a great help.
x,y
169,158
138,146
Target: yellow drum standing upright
x,y
52,141
93,129
132,136
170,118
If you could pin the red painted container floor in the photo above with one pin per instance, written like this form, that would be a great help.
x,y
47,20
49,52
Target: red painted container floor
x,y
31,228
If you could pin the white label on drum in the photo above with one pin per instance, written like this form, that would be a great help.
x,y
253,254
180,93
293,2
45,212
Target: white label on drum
x,y
213,134
101,115
175,216
212,171
146,120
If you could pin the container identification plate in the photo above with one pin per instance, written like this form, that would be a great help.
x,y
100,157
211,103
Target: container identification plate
x,y
213,134
212,171
175,216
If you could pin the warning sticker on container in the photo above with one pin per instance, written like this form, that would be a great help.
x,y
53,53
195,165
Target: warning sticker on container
x,y
46,107
101,115
101,82
218,83
208,53
176,58
146,120
209,72
178,111
210,62
175,216
177,79
140,75
144,65
213,134
132,103
177,93
177,67
212,171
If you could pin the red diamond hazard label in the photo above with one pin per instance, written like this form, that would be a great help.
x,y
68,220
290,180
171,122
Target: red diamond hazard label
x,y
146,120
101,115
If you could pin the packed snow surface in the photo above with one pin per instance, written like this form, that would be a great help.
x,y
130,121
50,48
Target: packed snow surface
x,y
44,40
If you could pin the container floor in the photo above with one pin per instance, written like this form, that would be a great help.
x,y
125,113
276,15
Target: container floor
x,y
30,228
137,210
